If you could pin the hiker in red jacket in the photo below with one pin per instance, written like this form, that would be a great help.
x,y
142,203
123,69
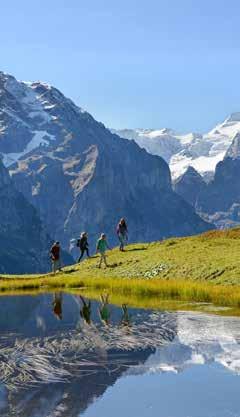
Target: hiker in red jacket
x,y
55,256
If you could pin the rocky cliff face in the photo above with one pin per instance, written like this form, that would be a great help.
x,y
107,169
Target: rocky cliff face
x,y
190,185
24,243
220,201
79,175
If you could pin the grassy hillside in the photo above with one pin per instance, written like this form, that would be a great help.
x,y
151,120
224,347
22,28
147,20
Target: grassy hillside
x,y
213,256
202,268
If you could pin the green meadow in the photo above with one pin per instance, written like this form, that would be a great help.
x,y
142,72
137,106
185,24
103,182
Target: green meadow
x,y
203,269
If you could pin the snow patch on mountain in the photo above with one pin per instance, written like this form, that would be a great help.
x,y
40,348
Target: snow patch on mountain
x,y
203,164
29,111
203,152
40,138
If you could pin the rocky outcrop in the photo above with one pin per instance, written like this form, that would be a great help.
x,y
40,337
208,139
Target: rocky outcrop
x,y
80,176
24,243
220,201
190,185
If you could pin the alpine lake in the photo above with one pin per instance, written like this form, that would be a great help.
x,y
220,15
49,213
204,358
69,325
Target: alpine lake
x,y
70,355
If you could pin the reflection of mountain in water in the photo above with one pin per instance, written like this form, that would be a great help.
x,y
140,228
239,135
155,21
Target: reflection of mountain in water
x,y
200,339
51,367
56,368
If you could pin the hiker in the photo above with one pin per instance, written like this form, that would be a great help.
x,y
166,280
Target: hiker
x,y
57,305
55,256
102,246
82,243
122,232
104,309
85,311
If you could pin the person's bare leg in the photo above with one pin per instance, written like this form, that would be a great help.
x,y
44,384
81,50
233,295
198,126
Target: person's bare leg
x,y
60,265
105,260
54,267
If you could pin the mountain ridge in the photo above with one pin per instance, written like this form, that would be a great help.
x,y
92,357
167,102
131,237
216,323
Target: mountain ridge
x,y
202,151
80,176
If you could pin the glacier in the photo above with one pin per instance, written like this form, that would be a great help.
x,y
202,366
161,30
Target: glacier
x,y
201,151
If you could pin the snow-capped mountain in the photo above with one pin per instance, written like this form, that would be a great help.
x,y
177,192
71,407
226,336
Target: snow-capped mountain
x,y
80,176
29,112
202,152
29,117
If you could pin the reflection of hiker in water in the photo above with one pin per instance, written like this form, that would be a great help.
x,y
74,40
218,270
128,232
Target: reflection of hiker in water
x,y
104,309
125,320
85,311
122,232
57,305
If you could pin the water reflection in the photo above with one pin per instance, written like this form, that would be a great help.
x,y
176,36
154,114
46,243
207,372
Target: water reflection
x,y
55,361
126,318
104,309
57,305
85,311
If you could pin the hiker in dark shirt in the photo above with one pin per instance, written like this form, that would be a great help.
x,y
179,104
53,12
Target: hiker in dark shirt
x,y
82,243
55,257
122,232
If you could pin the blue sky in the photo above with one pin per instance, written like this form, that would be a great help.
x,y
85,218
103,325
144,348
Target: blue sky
x,y
131,63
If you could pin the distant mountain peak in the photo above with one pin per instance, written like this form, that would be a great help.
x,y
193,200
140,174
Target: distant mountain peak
x,y
202,152
191,171
33,113
189,185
